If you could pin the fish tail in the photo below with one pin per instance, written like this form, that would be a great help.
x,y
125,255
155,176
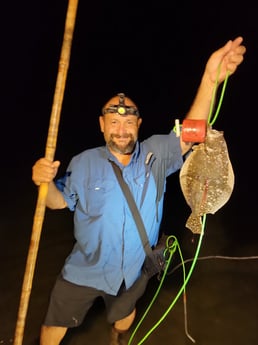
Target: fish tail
x,y
194,223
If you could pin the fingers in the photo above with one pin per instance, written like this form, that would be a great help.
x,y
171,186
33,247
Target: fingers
x,y
231,45
237,42
235,56
234,61
229,57
44,171
233,49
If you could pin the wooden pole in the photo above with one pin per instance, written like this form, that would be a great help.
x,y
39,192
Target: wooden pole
x,y
49,153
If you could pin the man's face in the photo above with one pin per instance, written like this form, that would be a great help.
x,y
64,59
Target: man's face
x,y
120,132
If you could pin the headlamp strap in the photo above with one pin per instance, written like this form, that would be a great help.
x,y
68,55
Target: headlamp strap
x,y
121,108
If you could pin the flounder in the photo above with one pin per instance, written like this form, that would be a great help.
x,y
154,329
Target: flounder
x,y
206,178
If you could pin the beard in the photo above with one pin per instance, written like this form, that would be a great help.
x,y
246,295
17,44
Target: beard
x,y
122,149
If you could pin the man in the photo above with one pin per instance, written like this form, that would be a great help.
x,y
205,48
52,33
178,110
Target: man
x,y
107,257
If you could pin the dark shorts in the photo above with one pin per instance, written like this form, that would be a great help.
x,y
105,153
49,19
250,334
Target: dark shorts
x,y
69,303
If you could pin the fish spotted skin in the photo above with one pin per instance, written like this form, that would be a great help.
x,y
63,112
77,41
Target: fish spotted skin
x,y
206,178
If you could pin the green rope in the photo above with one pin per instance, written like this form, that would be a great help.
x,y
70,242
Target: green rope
x,y
186,279
170,248
175,244
211,122
220,101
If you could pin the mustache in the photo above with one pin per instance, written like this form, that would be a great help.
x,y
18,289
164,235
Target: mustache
x,y
123,136
122,149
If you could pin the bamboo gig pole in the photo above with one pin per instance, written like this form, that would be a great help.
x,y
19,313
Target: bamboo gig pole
x,y
49,153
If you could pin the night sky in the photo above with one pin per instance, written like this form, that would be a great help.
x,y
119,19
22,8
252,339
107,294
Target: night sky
x,y
155,52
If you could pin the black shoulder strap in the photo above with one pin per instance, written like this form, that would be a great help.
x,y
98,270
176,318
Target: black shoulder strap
x,y
134,209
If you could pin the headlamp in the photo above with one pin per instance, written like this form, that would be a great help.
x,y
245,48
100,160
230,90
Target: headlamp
x,y
121,108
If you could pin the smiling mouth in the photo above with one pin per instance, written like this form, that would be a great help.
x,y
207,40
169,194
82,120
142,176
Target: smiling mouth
x,y
122,140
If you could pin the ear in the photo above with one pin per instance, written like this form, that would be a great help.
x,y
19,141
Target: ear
x,y
139,122
101,123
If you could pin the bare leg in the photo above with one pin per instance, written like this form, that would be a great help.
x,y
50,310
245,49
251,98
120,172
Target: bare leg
x,y
124,324
120,328
52,335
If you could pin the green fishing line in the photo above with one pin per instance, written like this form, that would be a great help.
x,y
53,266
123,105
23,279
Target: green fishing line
x,y
186,279
175,245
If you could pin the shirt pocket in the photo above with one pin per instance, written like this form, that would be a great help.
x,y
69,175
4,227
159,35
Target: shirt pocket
x,y
97,195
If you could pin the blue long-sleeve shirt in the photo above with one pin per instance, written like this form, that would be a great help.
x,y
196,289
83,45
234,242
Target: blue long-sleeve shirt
x,y
108,249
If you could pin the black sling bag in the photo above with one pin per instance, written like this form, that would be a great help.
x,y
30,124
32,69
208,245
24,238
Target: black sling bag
x,y
155,259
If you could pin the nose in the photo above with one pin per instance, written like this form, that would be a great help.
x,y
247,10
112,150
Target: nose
x,y
121,129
